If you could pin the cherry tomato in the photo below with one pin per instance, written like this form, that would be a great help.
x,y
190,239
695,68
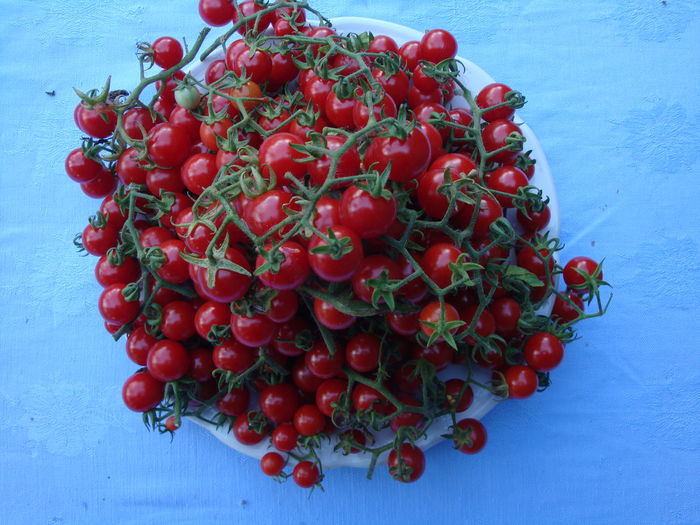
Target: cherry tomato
x,y
253,331
521,380
348,164
128,271
331,317
565,310
493,95
293,270
168,145
309,420
279,402
436,263
168,360
114,307
276,155
576,269
198,172
228,285
234,403
244,433
284,437
234,356
167,52
329,392
80,168
336,269
98,121
495,136
365,214
306,474
407,466
287,333
272,464
476,435
432,312
202,364
373,267
216,12
506,179
362,352
177,320
543,351
138,343
142,392
283,306
409,157
438,45
457,395
321,363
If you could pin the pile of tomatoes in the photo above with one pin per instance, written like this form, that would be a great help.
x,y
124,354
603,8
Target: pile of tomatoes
x,y
299,243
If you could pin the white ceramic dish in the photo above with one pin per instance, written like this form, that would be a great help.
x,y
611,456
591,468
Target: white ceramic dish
x,y
475,79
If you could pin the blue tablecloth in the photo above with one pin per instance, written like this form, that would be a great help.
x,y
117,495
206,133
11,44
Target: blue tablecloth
x,y
613,90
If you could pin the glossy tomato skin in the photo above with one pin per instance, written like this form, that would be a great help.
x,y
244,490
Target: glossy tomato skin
x,y
168,360
114,308
244,433
373,267
506,179
494,136
234,403
198,172
80,168
564,310
234,356
128,271
573,278
142,392
436,263
277,156
330,317
366,215
521,381
348,164
412,458
98,241
175,269
329,392
408,158
534,220
264,213
138,343
228,285
272,464
492,95
283,306
306,474
543,351
321,363
216,12
287,332
410,54
342,268
177,320
168,145
454,396
309,420
98,122
362,352
293,270
477,436
284,437
279,402
506,313
167,52
431,313
202,364
254,331
437,45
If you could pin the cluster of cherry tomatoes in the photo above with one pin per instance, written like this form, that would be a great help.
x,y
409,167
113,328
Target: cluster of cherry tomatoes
x,y
299,243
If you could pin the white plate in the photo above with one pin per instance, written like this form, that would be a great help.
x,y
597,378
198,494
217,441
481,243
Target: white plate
x,y
474,78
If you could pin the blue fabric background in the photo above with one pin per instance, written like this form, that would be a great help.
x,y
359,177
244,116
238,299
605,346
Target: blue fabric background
x,y
613,90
